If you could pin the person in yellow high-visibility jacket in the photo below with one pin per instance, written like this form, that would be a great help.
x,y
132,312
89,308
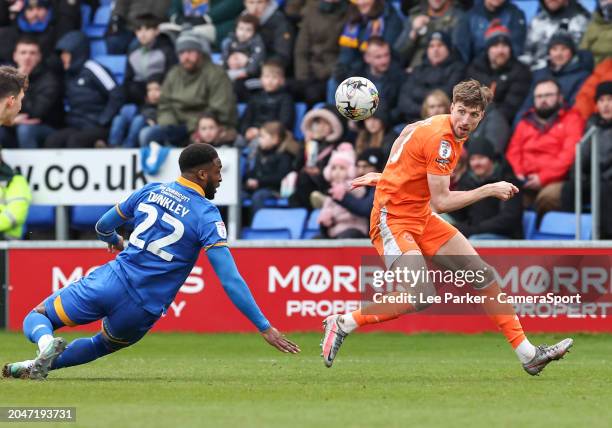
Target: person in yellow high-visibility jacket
x,y
15,193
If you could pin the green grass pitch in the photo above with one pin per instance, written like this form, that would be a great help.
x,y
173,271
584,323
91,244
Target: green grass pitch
x,y
379,380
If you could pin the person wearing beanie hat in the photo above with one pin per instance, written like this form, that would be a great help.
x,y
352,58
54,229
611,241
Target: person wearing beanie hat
x,y
553,16
370,160
498,68
488,218
562,38
192,41
604,88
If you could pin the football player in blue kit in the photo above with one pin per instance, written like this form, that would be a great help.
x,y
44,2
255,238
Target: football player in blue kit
x,y
129,294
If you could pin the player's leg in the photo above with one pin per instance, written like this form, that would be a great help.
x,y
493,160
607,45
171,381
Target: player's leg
x,y
458,253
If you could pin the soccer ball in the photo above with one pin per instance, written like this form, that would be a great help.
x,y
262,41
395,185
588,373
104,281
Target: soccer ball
x,y
356,98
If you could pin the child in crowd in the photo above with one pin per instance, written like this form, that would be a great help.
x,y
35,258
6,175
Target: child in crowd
x,y
244,50
272,103
212,132
130,121
375,133
337,221
271,161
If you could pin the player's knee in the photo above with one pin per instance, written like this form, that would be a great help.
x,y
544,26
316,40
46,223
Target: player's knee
x,y
110,345
425,297
40,309
483,273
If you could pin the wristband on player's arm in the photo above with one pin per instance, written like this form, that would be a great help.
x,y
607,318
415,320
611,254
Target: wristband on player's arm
x,y
105,227
236,289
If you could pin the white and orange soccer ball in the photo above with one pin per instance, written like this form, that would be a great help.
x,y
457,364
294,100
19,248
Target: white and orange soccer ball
x,y
356,98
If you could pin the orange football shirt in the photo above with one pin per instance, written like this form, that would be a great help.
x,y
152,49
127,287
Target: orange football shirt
x,y
425,147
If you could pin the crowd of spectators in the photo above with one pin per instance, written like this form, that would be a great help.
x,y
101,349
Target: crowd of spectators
x,y
190,64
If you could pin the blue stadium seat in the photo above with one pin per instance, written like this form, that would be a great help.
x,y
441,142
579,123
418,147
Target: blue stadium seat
x,y
290,218
562,226
241,109
41,217
312,226
97,48
85,16
216,58
84,217
529,223
589,5
97,28
269,203
300,112
248,233
529,7
115,63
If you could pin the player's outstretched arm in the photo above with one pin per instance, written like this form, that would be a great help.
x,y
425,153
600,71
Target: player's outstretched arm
x,y
105,229
370,179
444,200
223,263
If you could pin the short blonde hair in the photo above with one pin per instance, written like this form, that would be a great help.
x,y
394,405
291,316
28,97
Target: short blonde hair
x,y
441,96
471,93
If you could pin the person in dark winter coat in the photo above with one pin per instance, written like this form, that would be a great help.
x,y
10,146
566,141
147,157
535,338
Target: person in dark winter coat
x,y
42,106
502,72
554,16
364,20
567,66
470,32
442,69
44,20
273,102
603,120
488,218
92,94
154,55
273,159
275,30
243,51
316,48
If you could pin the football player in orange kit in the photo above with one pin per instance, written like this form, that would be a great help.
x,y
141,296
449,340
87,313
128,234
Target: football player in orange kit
x,y
404,229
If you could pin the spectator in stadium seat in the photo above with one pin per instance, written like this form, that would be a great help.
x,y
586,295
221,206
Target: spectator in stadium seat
x,y
271,160
274,28
567,66
555,15
603,120
213,20
152,55
442,69
542,148
92,95
15,199
365,19
425,18
126,126
598,36
210,131
243,50
585,99
42,107
472,27
273,102
488,218
125,19
497,68
336,221
193,86
316,49
436,102
379,67
322,126
375,133
44,20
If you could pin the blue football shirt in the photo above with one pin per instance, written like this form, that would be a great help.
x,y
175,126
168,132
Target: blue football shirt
x,y
173,221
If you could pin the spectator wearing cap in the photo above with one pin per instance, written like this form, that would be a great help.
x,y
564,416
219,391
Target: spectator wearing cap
x,y
585,99
470,32
554,16
441,69
498,68
543,146
598,36
488,218
603,120
153,55
193,86
44,20
379,67
566,65
425,18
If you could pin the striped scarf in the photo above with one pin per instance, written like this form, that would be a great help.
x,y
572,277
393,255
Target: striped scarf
x,y
350,37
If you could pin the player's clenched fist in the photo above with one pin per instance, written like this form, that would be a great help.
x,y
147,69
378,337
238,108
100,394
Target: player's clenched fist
x,y
502,190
